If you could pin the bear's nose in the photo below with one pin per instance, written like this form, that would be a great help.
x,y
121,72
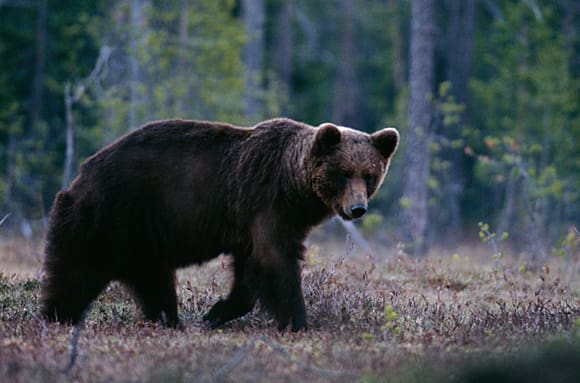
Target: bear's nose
x,y
358,210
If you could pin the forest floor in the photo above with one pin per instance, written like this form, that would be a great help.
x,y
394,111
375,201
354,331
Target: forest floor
x,y
379,318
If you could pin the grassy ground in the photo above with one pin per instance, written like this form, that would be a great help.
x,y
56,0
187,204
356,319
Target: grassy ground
x,y
380,318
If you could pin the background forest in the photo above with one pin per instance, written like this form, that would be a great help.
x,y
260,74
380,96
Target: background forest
x,y
486,95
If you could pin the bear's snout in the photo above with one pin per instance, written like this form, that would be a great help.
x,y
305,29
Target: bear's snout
x,y
354,204
358,210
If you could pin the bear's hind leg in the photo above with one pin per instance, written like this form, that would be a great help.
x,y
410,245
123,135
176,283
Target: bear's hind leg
x,y
67,293
155,292
242,297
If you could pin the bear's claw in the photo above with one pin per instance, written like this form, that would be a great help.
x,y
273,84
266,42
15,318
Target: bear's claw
x,y
213,316
225,310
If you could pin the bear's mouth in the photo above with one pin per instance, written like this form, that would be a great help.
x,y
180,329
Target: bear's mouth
x,y
355,212
340,211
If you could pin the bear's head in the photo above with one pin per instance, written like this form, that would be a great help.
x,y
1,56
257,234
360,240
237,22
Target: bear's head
x,y
348,166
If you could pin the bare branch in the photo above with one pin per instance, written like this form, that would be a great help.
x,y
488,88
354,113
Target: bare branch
x,y
74,348
71,98
4,218
98,72
30,311
535,9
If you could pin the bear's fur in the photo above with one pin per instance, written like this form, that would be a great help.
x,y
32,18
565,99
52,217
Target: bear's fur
x,y
177,192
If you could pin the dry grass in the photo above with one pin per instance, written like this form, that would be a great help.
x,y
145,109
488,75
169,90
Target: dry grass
x,y
382,318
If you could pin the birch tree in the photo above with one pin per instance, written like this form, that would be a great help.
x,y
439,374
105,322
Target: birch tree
x,y
346,95
421,80
253,14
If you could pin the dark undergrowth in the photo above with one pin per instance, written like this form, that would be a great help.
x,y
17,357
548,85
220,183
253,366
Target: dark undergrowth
x,y
371,319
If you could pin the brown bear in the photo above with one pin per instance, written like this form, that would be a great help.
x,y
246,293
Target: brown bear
x,y
176,192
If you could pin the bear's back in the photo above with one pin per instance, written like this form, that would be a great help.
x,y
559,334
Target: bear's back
x,y
161,182
165,139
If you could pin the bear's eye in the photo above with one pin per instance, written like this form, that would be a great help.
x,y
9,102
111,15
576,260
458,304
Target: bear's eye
x,y
346,175
339,176
371,182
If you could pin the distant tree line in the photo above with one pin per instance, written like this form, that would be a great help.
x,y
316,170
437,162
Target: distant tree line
x,y
486,94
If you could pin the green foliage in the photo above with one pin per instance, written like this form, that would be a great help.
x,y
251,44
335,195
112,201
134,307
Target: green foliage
x,y
391,321
194,72
404,202
445,147
371,222
527,108
184,59
447,106
31,135
569,245
487,236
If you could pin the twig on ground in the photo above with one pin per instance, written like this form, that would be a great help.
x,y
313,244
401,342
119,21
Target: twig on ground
x,y
75,342
30,311
244,351
353,235
235,360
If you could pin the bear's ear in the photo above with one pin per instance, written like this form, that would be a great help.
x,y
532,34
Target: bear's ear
x,y
326,139
386,141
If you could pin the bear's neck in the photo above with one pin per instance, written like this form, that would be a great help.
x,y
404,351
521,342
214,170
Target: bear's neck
x,y
295,158
298,192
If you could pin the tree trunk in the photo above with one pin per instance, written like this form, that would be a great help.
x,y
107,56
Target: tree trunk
x,y
507,218
39,64
11,151
282,44
253,15
396,34
421,80
345,109
460,46
70,138
572,35
459,59
182,62
135,78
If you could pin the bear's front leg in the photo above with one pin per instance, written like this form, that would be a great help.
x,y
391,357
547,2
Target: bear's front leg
x,y
242,297
281,293
277,249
